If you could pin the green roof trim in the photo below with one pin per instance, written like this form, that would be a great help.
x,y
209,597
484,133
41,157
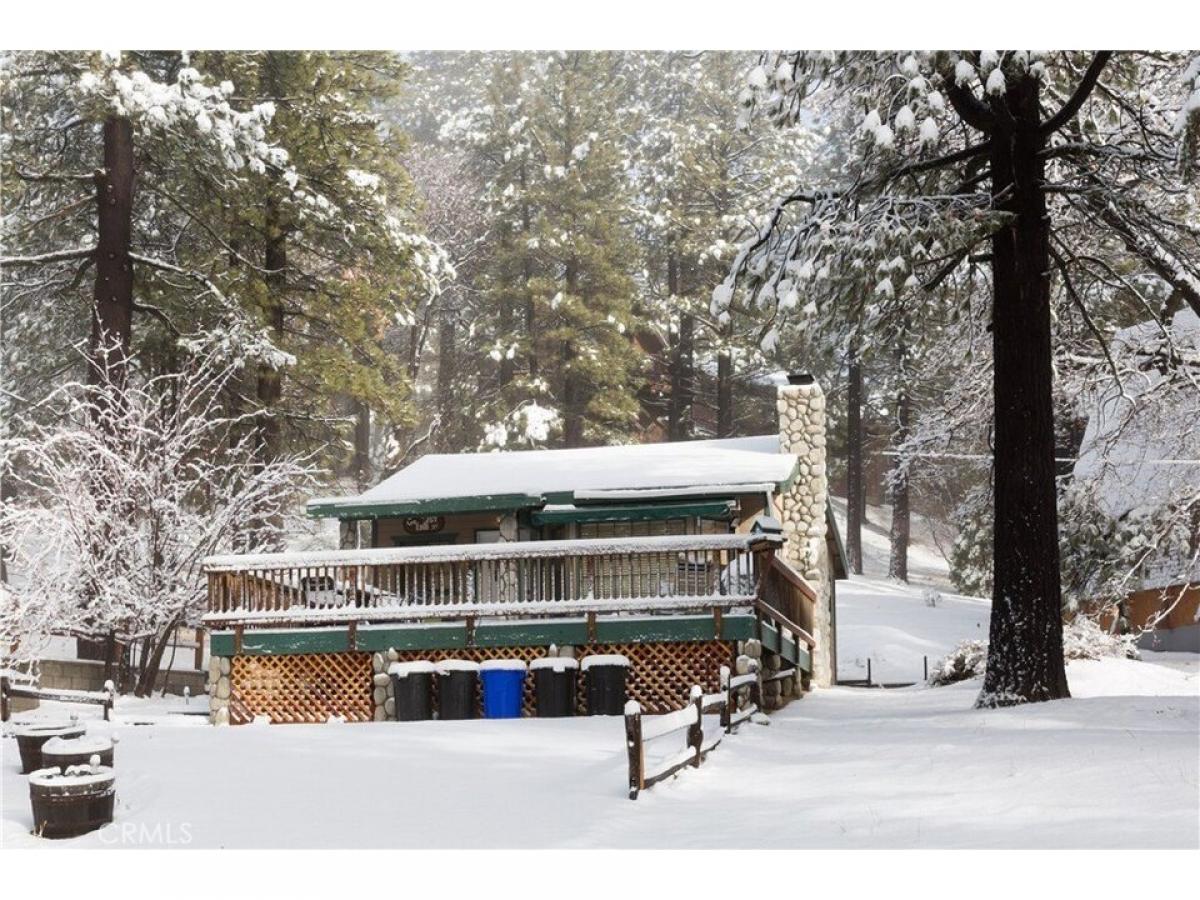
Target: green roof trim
x,y
486,503
635,512
355,509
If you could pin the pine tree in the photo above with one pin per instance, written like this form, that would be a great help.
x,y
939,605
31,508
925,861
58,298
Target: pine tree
x,y
1022,154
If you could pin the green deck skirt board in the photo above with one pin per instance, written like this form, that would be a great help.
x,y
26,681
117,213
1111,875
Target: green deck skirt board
x,y
529,633
633,512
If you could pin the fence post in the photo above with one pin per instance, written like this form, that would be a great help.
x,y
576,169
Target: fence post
x,y
110,692
695,733
756,690
633,743
725,707
3,699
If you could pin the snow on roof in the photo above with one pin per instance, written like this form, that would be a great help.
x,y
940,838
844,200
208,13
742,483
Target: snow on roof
x,y
1141,448
723,464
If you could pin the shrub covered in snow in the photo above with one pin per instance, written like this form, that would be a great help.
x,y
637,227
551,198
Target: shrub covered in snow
x,y
1083,638
967,660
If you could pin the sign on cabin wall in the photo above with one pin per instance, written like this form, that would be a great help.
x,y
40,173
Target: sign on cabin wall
x,y
423,524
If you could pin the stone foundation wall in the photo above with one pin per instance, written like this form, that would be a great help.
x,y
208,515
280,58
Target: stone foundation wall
x,y
219,669
776,694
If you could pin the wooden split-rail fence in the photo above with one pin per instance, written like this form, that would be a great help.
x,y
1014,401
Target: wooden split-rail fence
x,y
10,688
640,729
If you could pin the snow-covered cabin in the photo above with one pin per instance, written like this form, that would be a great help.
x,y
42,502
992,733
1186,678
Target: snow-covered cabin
x,y
680,556
1140,454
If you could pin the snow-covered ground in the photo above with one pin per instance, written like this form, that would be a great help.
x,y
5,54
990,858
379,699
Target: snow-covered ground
x,y
897,625
1114,767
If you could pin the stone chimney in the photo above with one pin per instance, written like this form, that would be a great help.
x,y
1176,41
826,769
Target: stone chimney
x,y
801,406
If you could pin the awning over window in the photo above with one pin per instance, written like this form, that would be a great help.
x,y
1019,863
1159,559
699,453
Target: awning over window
x,y
633,512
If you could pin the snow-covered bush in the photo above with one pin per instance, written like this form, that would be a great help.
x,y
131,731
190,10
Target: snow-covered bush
x,y
967,660
119,499
1083,638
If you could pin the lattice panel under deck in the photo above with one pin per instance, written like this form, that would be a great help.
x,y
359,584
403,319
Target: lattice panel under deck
x,y
304,687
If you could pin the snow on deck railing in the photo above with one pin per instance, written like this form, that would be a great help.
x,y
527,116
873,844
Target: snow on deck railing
x,y
512,549
522,578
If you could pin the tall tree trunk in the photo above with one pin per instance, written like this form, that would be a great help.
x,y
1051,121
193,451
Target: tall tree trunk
x,y
1025,658
152,658
680,367
685,389
724,394
270,379
362,445
574,394
508,367
901,525
527,279
447,366
854,465
112,314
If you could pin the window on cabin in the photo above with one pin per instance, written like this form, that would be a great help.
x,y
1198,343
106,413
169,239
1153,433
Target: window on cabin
x,y
656,574
689,525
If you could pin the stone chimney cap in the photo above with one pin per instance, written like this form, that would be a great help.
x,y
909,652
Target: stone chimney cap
x,y
800,378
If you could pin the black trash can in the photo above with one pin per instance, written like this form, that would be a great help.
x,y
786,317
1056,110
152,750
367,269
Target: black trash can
x,y
456,684
605,675
554,686
412,684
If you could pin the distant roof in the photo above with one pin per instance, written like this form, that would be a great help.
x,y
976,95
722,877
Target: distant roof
x,y
531,478
1140,449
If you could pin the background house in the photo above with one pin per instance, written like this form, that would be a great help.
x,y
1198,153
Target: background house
x,y
1144,465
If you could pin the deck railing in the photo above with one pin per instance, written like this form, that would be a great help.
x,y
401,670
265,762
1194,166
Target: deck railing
x,y
526,578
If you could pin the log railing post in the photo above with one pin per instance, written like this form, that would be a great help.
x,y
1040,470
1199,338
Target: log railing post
x,y
695,734
727,707
633,744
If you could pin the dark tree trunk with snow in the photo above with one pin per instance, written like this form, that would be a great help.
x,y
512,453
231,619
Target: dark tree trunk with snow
x,y
854,466
574,391
112,314
362,445
446,367
1025,658
679,410
724,394
153,656
901,524
270,379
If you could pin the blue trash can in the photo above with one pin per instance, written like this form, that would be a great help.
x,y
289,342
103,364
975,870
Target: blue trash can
x,y
503,683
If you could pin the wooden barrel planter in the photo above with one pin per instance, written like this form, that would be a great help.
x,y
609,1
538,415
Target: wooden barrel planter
x,y
77,751
71,803
30,739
